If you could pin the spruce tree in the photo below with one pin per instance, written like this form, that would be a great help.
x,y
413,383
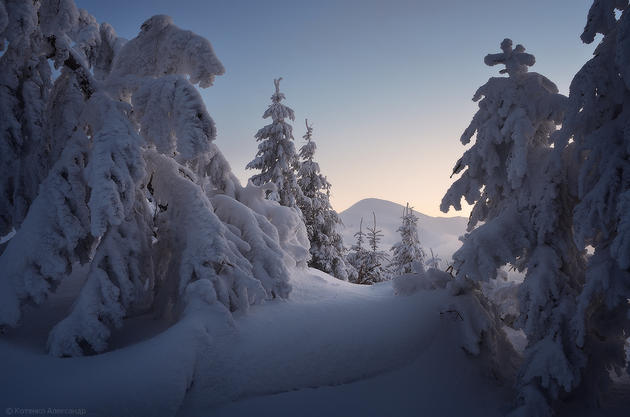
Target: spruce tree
x,y
357,255
372,261
276,158
408,255
595,133
322,222
522,216
433,262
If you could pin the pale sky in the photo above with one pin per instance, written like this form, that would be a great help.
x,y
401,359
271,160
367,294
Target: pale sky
x,y
386,84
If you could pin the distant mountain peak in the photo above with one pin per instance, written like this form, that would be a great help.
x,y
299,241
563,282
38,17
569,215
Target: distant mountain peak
x,y
378,203
438,233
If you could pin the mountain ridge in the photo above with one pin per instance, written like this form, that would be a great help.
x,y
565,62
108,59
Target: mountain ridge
x,y
382,200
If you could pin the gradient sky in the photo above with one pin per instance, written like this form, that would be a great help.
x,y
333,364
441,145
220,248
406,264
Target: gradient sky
x,y
386,84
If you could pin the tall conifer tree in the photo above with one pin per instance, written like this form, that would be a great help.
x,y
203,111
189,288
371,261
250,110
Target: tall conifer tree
x,y
322,222
276,159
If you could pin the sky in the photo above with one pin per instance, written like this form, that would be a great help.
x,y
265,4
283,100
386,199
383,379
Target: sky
x,y
387,85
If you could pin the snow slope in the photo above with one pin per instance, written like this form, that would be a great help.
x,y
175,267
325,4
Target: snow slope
x,y
333,348
438,233
328,333
147,378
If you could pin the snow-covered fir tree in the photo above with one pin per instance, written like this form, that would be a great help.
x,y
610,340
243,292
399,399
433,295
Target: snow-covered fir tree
x,y
276,159
407,254
370,262
433,261
518,189
357,254
328,253
596,133
112,165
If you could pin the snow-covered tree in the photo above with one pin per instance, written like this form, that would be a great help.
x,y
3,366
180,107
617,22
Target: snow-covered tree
x,y
408,254
276,158
357,254
596,133
433,261
113,165
377,260
514,179
328,253
26,153
370,262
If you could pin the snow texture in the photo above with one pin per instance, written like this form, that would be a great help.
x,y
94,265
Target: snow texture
x,y
333,348
160,49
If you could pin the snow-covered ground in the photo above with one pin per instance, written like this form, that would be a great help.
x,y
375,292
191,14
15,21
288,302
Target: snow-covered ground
x,y
332,349
438,233
345,338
